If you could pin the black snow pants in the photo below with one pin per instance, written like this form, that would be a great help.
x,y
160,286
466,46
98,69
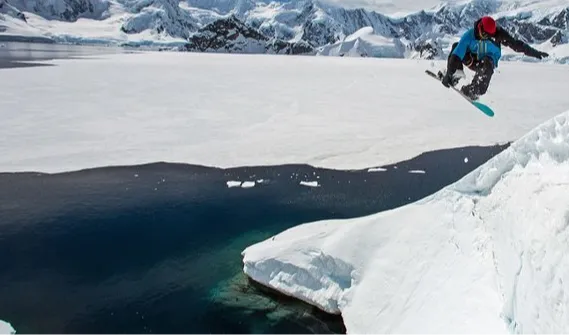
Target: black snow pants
x,y
483,68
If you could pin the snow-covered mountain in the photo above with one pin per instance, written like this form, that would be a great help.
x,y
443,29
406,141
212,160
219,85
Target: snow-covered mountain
x,y
315,25
232,35
364,43
160,16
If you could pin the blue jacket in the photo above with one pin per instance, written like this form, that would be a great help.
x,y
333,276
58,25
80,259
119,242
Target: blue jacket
x,y
478,48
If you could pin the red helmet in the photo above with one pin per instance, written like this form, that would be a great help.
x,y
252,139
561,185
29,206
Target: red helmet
x,y
488,25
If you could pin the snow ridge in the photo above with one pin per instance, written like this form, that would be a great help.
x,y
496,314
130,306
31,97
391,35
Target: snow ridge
x,y
485,254
531,243
549,139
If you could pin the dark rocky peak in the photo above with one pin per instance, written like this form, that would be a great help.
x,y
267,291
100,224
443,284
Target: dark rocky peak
x,y
559,38
318,33
527,31
231,27
558,20
231,35
77,8
301,47
553,27
228,34
561,20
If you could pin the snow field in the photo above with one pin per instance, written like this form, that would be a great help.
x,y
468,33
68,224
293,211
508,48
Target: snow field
x,y
236,110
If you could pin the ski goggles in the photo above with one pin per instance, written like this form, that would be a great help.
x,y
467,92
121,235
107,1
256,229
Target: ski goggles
x,y
483,35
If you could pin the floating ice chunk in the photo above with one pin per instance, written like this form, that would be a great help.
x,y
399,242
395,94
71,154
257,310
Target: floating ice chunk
x,y
417,171
248,184
310,183
233,183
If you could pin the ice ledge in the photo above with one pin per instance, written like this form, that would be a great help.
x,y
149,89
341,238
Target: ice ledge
x,y
315,277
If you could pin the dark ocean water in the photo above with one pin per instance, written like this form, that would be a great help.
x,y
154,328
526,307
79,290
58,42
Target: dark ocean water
x,y
156,248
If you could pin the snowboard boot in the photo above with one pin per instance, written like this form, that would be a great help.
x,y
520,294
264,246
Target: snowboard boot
x,y
456,77
481,80
468,91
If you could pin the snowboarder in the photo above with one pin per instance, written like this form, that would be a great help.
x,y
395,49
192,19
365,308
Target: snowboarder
x,y
479,49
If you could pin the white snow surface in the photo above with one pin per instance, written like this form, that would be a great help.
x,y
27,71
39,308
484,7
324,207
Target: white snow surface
x,y
487,254
243,110
6,328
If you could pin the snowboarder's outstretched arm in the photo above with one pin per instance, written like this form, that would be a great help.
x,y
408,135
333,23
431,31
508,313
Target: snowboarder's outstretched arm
x,y
505,38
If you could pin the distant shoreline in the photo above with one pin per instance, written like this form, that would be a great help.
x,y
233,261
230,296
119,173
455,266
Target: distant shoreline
x,y
26,39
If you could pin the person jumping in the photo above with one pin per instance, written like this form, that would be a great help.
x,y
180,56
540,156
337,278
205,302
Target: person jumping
x,y
479,49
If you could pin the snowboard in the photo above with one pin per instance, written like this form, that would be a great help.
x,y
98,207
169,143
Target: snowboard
x,y
480,106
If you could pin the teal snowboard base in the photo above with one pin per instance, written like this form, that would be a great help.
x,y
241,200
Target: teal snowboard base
x,y
482,107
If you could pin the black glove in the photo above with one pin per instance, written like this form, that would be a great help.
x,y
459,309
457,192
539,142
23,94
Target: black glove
x,y
538,54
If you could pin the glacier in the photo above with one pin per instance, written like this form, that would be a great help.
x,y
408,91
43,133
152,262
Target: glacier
x,y
6,328
487,254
